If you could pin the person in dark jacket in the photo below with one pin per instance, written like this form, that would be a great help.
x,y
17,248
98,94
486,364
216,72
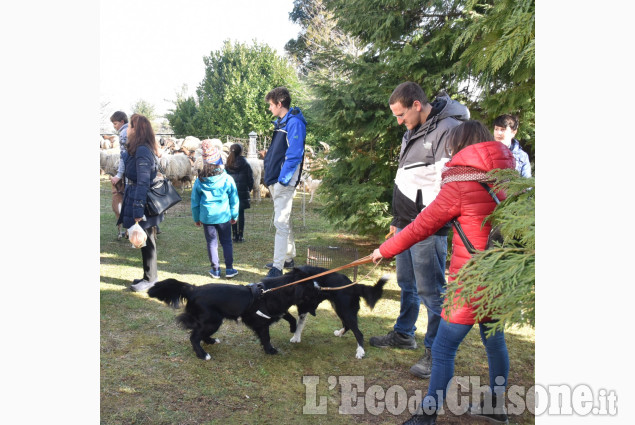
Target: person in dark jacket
x,y
240,170
474,153
283,168
141,170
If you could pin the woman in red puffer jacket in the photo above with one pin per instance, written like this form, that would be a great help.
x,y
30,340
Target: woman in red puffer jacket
x,y
461,197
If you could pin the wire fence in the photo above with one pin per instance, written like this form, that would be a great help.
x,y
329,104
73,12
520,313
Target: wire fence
x,y
259,216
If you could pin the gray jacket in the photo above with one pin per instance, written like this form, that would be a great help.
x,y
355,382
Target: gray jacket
x,y
422,157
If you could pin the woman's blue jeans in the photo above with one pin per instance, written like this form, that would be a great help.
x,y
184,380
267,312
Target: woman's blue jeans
x,y
446,344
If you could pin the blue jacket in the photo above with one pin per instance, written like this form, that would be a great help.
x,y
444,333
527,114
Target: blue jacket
x,y
522,159
141,170
214,199
286,152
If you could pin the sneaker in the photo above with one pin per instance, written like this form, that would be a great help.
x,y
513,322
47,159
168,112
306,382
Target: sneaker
x,y
423,367
231,273
394,339
422,419
288,264
274,272
142,285
215,273
493,414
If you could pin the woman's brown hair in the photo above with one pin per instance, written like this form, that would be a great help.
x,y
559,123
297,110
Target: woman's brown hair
x,y
466,134
234,152
142,134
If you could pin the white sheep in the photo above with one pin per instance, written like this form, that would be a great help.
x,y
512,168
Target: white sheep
x,y
258,170
190,144
177,168
109,161
311,186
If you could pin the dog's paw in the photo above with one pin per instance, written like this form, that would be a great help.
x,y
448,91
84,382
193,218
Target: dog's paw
x,y
271,350
339,332
295,338
208,357
360,353
216,341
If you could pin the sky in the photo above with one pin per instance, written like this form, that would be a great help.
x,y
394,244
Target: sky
x,y
148,49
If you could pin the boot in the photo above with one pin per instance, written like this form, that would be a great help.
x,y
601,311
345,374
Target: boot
x,y
490,410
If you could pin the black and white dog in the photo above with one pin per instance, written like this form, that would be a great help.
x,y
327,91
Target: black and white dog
x,y
208,305
345,302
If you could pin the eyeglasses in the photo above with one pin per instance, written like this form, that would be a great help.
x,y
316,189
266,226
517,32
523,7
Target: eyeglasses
x,y
400,117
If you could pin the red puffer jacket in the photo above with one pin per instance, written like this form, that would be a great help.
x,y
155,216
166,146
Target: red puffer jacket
x,y
467,201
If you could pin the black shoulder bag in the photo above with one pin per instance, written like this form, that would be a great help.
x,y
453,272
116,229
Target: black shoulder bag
x,y
494,234
161,195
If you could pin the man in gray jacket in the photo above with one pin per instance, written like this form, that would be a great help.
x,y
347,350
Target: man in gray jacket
x,y
420,269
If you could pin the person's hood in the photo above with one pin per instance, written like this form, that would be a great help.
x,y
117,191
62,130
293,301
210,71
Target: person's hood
x,y
293,113
213,182
442,107
485,156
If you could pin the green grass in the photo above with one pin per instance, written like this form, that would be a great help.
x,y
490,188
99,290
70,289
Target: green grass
x,y
150,375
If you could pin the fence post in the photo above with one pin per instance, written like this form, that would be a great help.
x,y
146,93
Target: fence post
x,y
252,145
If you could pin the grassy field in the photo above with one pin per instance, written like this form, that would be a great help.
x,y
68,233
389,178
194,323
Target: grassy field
x,y
150,375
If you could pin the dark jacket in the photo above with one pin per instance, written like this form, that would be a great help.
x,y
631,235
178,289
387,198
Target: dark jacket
x,y
286,152
243,175
141,170
423,154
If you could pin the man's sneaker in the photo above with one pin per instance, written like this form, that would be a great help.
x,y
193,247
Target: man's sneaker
x,y
142,285
423,367
231,273
288,264
493,414
274,272
394,339
215,273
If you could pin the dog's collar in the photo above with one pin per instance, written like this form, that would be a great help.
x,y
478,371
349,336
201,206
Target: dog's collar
x,y
257,289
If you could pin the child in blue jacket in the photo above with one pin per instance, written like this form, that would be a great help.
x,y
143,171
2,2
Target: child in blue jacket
x,y
215,204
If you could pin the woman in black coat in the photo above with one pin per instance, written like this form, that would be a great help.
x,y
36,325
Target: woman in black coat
x,y
241,172
141,169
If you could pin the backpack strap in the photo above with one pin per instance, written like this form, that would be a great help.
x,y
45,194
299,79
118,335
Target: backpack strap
x,y
468,245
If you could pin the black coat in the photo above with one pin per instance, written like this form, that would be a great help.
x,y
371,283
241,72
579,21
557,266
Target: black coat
x,y
244,177
141,169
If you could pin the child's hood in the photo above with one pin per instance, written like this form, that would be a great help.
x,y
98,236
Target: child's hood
x,y
213,182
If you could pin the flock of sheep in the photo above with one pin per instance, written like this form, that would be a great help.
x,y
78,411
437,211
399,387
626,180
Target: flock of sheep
x,y
181,159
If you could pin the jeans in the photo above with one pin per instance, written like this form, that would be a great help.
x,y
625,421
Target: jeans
x,y
421,277
214,233
444,350
284,244
149,255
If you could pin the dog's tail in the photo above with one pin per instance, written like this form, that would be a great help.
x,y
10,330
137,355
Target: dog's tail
x,y
372,294
171,292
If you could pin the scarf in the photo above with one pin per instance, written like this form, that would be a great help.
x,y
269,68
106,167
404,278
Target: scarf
x,y
463,174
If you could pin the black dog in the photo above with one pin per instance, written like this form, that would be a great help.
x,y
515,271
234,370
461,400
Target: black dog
x,y
208,305
345,302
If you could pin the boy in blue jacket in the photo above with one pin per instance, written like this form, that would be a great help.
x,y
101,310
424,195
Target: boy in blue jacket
x,y
283,167
215,204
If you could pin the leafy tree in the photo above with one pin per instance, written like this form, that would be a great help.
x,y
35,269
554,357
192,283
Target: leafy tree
x,y
230,98
144,108
501,281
